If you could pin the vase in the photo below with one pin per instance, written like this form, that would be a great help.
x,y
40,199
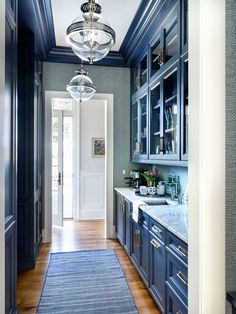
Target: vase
x,y
150,183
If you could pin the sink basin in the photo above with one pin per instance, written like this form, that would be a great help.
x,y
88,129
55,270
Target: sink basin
x,y
156,202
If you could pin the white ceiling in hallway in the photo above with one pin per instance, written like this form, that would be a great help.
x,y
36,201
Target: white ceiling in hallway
x,y
119,13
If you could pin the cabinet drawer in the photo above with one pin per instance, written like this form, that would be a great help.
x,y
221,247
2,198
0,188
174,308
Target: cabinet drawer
x,y
174,303
177,275
157,230
144,219
178,247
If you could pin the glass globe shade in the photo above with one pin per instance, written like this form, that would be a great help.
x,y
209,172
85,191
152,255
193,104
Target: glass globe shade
x,y
81,87
89,35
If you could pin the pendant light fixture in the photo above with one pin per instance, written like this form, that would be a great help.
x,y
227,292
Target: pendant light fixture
x,y
90,36
81,87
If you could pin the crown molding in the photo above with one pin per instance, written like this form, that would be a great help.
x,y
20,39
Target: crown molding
x,y
143,27
66,55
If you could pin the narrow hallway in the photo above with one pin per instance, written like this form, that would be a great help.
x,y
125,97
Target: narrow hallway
x,y
74,236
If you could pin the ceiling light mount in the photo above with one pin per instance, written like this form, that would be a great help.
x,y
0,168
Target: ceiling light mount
x,y
90,36
91,6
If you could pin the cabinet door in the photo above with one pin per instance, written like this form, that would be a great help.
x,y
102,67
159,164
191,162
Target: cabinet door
x,y
171,113
173,302
139,148
135,145
128,218
135,243
157,271
143,71
166,48
184,109
140,74
144,254
156,55
171,39
120,218
143,125
156,122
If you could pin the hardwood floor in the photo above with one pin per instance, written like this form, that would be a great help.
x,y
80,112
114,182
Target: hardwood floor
x,y
84,235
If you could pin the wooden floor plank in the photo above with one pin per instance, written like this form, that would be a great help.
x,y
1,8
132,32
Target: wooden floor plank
x,y
74,236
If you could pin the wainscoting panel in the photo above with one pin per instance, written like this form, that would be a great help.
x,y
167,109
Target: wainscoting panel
x,y
92,195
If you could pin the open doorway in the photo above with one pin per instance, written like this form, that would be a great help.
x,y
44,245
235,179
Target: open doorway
x,y
62,160
83,195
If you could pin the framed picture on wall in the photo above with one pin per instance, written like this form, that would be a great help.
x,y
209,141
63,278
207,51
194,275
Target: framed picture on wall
x,y
98,147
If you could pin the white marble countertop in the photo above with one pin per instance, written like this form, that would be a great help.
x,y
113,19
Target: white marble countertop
x,y
173,217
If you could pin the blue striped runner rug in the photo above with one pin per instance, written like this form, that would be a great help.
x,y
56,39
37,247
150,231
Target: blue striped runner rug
x,y
90,282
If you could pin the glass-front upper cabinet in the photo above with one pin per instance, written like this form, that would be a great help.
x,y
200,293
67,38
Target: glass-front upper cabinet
x,y
156,57
171,40
143,125
135,79
167,44
155,120
135,145
185,110
140,74
139,128
171,113
164,135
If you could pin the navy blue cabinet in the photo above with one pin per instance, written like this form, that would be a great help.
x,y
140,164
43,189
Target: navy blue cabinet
x,y
165,46
128,218
162,137
120,218
135,242
160,257
157,270
30,128
140,250
139,146
174,304
144,254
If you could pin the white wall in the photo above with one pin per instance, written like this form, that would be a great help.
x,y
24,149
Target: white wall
x,y
92,170
207,157
2,178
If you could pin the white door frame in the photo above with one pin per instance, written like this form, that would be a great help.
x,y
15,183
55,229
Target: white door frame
x,y
108,98
207,157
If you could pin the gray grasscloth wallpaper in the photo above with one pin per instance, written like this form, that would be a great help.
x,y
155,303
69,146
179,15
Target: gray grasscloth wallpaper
x,y
230,257
108,80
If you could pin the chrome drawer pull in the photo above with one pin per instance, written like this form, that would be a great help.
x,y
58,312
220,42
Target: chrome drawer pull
x,y
155,229
182,251
182,278
155,244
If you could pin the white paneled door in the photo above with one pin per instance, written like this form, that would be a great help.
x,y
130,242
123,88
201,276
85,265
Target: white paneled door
x,y
92,167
